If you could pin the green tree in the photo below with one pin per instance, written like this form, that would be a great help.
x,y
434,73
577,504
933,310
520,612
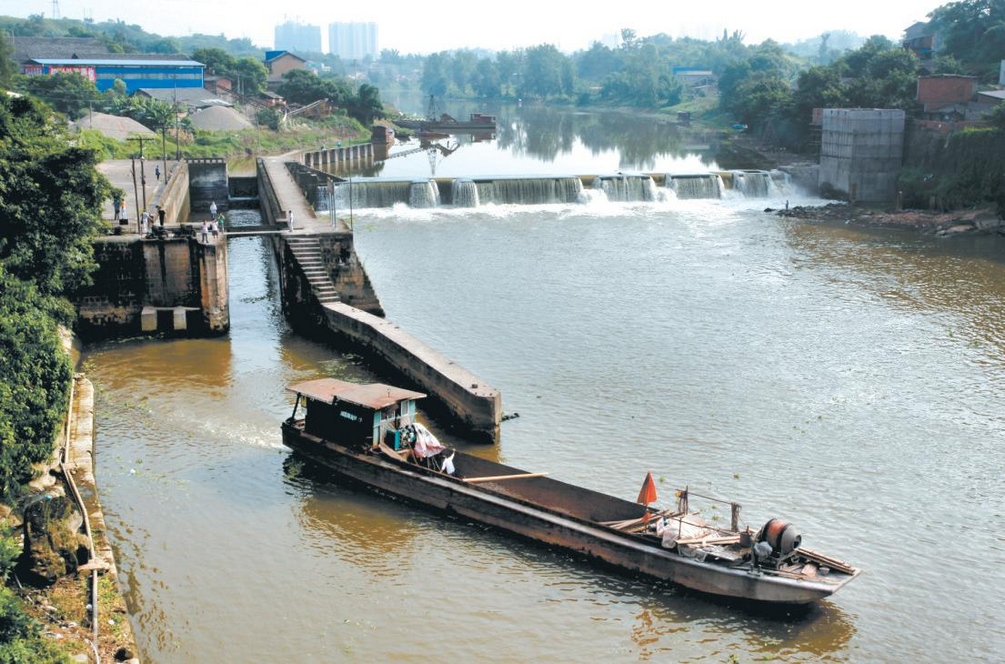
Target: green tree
x,y
301,86
50,199
486,82
973,32
366,106
509,65
34,381
217,60
462,69
544,73
250,75
435,75
6,63
596,63
66,92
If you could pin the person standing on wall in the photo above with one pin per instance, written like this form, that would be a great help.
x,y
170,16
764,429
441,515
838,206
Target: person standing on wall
x,y
160,215
116,205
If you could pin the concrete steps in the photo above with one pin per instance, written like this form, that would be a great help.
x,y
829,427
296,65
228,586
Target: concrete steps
x,y
307,251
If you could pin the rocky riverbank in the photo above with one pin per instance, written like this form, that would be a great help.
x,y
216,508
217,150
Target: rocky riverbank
x,y
977,220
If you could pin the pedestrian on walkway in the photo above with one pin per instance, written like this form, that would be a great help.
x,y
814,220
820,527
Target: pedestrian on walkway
x,y
212,209
116,205
144,222
289,220
123,213
205,231
157,173
161,214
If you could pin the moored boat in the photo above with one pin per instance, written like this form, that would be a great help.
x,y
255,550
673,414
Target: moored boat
x,y
370,434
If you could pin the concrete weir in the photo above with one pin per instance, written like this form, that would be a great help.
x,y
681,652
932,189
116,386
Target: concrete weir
x,y
325,288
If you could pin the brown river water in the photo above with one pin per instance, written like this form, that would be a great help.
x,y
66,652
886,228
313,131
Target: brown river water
x,y
848,381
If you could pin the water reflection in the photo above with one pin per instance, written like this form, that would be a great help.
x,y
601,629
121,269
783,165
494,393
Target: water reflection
x,y
399,543
361,528
530,140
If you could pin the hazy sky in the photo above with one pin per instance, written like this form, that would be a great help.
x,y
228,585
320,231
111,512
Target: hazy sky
x,y
428,27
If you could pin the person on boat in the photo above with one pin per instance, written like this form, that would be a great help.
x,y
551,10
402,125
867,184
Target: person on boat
x,y
424,447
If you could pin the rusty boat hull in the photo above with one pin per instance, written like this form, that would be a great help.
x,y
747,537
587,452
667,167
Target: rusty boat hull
x,y
560,515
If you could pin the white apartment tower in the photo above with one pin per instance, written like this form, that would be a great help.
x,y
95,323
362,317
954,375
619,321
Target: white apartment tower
x,y
353,41
298,38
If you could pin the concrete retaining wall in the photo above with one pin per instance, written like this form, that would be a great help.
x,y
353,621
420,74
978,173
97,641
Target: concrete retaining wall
x,y
208,183
175,197
455,392
156,285
477,405
346,272
268,200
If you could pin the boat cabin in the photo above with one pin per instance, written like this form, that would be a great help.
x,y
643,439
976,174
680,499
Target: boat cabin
x,y
355,415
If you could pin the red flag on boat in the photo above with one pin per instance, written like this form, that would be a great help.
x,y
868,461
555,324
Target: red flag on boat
x,y
648,493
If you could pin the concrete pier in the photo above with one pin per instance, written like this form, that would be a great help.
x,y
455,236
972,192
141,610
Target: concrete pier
x,y
325,289
477,404
167,280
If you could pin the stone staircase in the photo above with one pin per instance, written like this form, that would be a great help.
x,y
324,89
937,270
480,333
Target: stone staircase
x,y
307,251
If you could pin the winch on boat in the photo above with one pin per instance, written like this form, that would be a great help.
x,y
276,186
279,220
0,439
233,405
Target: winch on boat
x,y
781,536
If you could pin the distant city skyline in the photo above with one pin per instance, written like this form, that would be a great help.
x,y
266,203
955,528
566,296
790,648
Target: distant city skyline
x,y
353,41
409,29
292,36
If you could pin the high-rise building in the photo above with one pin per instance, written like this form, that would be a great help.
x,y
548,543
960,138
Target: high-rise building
x,y
353,41
298,38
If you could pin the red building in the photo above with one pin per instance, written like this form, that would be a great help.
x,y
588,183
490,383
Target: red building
x,y
934,91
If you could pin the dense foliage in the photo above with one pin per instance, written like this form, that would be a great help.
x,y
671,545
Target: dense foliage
x,y
50,197
21,639
301,86
249,74
973,34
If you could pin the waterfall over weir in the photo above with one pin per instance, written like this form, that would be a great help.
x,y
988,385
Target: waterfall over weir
x,y
363,193
529,191
627,188
707,185
753,184
371,193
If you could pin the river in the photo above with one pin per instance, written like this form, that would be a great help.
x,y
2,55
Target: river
x,y
849,381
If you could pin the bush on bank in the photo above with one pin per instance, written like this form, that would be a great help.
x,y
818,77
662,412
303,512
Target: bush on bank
x,y
50,200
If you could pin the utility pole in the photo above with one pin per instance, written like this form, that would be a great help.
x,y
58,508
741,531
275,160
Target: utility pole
x,y
143,169
174,107
164,158
135,197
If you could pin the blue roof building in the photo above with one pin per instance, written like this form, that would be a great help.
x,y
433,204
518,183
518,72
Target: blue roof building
x,y
136,71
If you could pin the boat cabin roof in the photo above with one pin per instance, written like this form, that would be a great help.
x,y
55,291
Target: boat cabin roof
x,y
372,395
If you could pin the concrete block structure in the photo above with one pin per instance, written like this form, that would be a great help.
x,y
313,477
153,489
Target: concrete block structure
x,y
862,150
